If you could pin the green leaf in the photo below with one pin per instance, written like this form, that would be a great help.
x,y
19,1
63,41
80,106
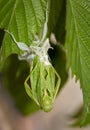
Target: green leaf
x,y
24,19
78,46
56,20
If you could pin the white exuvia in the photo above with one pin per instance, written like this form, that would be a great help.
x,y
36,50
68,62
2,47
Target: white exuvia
x,y
29,53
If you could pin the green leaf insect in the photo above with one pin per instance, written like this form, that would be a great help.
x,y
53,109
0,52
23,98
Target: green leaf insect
x,y
43,82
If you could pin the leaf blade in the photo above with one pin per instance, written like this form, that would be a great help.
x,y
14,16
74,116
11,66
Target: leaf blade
x,y
24,21
57,18
78,47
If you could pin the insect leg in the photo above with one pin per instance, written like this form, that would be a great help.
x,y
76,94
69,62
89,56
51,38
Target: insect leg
x,y
11,35
22,46
57,84
45,26
29,91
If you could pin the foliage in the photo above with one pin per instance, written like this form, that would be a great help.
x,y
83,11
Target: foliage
x,y
78,47
68,20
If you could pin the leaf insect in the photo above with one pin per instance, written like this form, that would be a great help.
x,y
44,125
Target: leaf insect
x,y
43,82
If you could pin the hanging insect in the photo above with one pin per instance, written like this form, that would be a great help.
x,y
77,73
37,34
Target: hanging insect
x,y
43,82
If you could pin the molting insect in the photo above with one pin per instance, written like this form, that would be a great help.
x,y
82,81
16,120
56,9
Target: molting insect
x,y
43,82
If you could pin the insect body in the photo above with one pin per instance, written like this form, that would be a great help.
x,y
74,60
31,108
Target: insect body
x,y
42,84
